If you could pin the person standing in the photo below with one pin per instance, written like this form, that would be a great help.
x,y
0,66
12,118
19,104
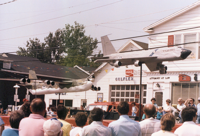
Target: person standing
x,y
134,109
150,124
62,113
153,101
80,120
180,107
14,119
168,108
33,125
198,111
124,126
190,102
96,128
188,128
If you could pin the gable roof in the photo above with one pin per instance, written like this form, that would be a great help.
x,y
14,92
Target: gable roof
x,y
21,64
178,13
138,44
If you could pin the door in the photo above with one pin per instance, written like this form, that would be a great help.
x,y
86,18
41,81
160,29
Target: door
x,y
159,98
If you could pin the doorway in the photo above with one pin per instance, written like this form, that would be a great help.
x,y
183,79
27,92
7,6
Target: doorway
x,y
159,98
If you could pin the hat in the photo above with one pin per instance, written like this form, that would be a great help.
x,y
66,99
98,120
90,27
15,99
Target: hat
x,y
52,127
199,99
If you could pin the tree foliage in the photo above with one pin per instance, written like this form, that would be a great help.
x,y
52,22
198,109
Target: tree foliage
x,y
78,46
46,52
69,46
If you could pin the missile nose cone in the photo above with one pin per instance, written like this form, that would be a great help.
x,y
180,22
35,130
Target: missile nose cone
x,y
185,53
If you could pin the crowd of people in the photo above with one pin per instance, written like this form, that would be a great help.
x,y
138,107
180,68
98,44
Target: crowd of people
x,y
30,121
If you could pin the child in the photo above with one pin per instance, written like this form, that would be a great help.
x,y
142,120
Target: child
x,y
159,113
134,109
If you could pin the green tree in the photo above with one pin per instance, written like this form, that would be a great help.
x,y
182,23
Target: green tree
x,y
78,46
46,52
69,47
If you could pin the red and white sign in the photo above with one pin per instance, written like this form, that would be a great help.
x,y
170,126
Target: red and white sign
x,y
129,73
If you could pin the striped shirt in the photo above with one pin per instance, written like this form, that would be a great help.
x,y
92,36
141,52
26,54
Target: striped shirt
x,y
149,126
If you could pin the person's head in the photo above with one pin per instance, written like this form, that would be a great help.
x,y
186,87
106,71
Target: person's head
x,y
153,100
26,108
15,118
81,108
160,108
96,114
168,101
192,100
180,101
149,110
199,99
189,113
89,119
80,119
167,122
123,108
38,106
133,103
2,112
62,111
52,127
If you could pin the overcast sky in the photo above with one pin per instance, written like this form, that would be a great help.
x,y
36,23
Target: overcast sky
x,y
24,19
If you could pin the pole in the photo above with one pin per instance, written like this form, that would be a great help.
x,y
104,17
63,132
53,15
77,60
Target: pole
x,y
140,91
59,98
35,89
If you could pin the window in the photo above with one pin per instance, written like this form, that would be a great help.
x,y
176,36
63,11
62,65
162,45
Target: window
x,y
127,93
67,103
192,47
187,38
185,91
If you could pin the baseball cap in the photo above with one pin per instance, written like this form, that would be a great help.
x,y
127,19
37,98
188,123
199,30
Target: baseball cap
x,y
52,127
199,99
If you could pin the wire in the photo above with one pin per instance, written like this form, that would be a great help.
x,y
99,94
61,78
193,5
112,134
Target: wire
x,y
121,52
7,2
45,13
119,28
133,17
62,16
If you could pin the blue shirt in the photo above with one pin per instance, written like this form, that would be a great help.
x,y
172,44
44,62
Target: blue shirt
x,y
125,126
159,115
198,109
1,121
10,132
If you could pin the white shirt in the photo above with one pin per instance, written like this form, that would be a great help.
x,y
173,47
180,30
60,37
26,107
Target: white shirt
x,y
134,109
96,128
163,133
170,108
149,126
188,128
181,107
125,126
75,131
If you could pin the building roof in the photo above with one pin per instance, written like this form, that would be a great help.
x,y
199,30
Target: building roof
x,y
21,64
88,70
178,13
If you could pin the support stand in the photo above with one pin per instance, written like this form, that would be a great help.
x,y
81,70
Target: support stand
x,y
140,91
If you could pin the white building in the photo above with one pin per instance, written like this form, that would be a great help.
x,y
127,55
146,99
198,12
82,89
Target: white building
x,y
122,84
117,84
178,28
